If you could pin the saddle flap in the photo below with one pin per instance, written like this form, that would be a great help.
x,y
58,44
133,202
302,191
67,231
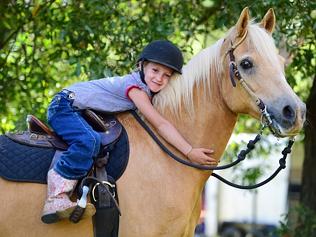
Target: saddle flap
x,y
37,140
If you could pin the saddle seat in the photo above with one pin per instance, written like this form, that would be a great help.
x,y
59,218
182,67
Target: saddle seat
x,y
39,134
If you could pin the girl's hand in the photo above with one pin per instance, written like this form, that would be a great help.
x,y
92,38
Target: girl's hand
x,y
202,156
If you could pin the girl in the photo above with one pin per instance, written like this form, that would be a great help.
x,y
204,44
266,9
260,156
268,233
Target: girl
x,y
156,64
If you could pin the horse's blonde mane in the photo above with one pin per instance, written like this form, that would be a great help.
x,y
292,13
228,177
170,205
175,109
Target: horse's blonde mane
x,y
197,72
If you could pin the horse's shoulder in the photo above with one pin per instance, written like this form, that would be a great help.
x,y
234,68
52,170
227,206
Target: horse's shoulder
x,y
127,120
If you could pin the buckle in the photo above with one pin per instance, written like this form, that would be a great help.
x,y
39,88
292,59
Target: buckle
x,y
104,183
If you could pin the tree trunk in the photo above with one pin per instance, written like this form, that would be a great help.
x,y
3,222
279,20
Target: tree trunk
x,y
308,193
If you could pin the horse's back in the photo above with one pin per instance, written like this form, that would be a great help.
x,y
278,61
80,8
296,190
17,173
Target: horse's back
x,y
20,215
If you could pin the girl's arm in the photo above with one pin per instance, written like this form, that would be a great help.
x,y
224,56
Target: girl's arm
x,y
168,131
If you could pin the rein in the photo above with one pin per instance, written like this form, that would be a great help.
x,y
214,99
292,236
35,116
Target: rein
x,y
265,120
240,157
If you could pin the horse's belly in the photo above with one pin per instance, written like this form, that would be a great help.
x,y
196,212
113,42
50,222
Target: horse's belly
x,y
21,206
154,220
156,230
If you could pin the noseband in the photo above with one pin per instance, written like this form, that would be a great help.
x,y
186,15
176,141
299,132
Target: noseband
x,y
266,121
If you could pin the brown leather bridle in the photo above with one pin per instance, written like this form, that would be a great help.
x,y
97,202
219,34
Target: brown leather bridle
x,y
266,119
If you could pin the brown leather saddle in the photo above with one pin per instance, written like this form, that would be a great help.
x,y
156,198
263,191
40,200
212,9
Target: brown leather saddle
x,y
40,135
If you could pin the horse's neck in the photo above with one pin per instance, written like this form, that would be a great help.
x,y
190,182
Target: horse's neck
x,y
210,126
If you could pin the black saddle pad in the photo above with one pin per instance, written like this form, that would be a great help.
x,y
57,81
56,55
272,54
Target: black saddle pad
x,y
22,163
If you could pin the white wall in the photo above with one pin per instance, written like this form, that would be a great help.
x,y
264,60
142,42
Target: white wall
x,y
224,203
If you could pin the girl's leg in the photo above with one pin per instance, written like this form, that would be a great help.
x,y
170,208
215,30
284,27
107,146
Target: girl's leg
x,y
84,144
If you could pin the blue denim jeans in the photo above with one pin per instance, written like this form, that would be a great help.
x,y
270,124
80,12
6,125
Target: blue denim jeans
x,y
84,143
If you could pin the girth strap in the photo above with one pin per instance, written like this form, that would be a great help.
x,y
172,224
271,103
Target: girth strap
x,y
103,193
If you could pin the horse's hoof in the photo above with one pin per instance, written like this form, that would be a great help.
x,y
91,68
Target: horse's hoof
x,y
50,218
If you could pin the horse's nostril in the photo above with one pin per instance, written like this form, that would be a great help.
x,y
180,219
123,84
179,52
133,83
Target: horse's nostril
x,y
288,112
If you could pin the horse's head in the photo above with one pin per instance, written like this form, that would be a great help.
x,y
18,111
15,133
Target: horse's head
x,y
249,50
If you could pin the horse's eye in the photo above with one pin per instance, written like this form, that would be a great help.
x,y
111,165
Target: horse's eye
x,y
246,64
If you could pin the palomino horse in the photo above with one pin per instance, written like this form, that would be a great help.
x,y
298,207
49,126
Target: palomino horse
x,y
158,196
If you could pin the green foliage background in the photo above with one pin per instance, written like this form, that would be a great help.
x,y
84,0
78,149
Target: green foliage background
x,y
46,45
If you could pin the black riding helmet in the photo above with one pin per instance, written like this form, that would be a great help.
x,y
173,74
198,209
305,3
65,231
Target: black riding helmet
x,y
163,52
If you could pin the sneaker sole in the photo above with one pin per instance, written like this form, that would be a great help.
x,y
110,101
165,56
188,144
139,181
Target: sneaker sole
x,y
50,218
65,214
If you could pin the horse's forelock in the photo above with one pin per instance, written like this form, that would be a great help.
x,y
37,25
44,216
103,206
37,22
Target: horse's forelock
x,y
262,41
264,44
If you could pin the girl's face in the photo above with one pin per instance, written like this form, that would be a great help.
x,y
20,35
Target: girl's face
x,y
156,75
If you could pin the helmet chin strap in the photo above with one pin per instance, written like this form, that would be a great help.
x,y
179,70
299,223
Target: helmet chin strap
x,y
141,72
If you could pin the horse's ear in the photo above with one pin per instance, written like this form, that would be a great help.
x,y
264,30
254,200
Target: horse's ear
x,y
268,21
242,22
